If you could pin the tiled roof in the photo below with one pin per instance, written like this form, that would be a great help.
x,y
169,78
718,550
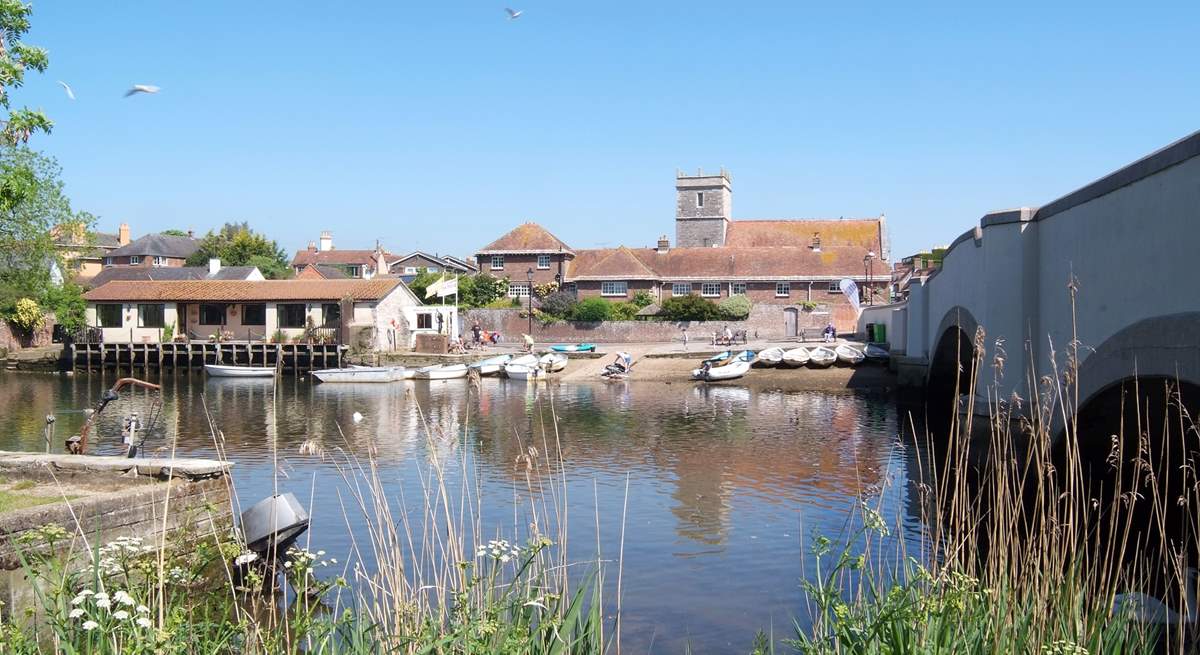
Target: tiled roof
x,y
167,273
338,257
725,263
798,233
619,263
526,238
160,245
240,290
97,239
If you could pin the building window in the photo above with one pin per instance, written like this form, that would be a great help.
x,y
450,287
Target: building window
x,y
160,261
681,288
783,289
543,262
291,315
109,316
134,260
150,316
211,314
710,290
518,289
108,261
737,288
254,314
432,269
331,314
497,262
612,288
424,321
834,287
410,270
354,271
700,199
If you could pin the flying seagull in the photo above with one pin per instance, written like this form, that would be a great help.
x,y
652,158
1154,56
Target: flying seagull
x,y
513,14
70,93
141,88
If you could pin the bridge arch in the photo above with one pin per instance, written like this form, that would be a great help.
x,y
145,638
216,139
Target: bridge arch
x,y
951,367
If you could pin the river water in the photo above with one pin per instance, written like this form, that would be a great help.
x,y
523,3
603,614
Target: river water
x,y
727,486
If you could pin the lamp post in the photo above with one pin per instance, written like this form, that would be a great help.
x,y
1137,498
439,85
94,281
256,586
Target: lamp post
x,y
529,289
868,270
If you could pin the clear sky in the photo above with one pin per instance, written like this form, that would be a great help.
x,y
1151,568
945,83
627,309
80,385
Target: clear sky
x,y
440,125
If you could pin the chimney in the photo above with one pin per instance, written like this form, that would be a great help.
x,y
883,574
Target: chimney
x,y
214,266
191,234
326,241
123,234
312,246
663,244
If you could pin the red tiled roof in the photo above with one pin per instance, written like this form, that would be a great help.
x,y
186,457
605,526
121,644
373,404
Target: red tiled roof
x,y
335,257
242,290
721,264
798,233
526,238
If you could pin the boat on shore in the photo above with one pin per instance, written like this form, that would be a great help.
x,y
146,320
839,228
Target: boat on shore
x,y
573,348
728,371
491,365
527,372
553,362
795,358
769,358
223,371
360,374
876,353
442,372
821,357
849,355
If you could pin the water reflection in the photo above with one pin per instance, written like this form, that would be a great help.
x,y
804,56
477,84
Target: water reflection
x,y
726,485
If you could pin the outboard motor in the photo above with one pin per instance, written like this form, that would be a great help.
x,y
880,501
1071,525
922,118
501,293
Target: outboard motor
x,y
269,528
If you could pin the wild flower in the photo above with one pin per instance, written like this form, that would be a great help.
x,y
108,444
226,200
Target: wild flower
x,y
120,615
123,598
76,613
90,625
498,549
103,603
144,622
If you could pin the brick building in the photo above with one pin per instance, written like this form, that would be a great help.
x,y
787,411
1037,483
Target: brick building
x,y
152,250
355,264
778,261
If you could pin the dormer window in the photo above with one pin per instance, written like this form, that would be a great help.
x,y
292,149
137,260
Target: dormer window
x,y
700,199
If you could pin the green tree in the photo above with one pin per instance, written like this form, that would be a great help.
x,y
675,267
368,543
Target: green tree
x,y
559,304
16,58
736,307
174,233
623,311
421,282
235,244
689,308
482,290
643,299
592,309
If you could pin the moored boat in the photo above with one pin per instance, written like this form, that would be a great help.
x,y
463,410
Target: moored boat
x,y
573,347
223,371
491,365
527,372
821,357
876,353
442,372
769,358
733,370
849,355
795,358
360,374
553,362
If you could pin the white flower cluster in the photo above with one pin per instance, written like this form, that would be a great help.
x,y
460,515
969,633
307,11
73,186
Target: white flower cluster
x,y
499,550
105,606
116,553
304,562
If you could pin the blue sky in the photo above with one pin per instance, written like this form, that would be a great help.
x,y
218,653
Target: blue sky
x,y
441,125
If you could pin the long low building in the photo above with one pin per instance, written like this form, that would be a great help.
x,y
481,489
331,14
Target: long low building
x,y
381,313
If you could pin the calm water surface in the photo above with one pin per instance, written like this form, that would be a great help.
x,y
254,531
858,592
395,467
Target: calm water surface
x,y
726,485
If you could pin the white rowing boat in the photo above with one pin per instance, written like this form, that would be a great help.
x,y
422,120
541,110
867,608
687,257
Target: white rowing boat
x,y
442,372
796,357
849,355
553,362
821,357
733,370
876,353
769,358
528,372
361,374
222,371
491,365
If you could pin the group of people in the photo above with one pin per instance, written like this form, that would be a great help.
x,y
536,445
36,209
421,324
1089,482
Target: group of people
x,y
481,336
726,337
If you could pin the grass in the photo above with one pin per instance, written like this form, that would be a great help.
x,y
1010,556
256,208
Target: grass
x,y
10,501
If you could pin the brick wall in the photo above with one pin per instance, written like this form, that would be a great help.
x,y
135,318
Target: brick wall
x,y
14,339
516,267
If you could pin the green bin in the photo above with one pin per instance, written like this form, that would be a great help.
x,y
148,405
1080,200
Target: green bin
x,y
880,335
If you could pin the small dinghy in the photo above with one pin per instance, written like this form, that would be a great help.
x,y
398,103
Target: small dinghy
x,y
876,353
795,358
553,362
769,358
574,348
528,372
360,374
222,371
731,371
849,355
442,372
491,365
821,357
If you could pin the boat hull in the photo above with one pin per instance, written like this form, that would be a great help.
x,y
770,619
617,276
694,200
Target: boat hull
x,y
360,374
849,356
522,372
442,372
795,358
222,371
822,358
730,371
553,362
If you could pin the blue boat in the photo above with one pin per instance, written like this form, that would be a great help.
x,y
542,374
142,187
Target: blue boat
x,y
745,356
574,348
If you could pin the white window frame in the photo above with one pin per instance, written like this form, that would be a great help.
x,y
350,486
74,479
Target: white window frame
x,y
834,286
497,262
614,288
678,288
410,270
710,289
134,260
783,289
543,266
518,289
159,261
737,288
108,261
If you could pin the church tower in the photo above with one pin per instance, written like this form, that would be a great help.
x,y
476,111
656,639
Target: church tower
x,y
703,209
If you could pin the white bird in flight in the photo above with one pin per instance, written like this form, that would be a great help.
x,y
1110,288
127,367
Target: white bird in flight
x,y
513,14
67,88
141,88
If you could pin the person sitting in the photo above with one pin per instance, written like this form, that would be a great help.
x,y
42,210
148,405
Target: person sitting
x,y
829,334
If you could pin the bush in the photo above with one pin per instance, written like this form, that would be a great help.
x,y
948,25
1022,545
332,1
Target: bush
x,y
68,305
543,290
624,311
559,303
481,290
643,299
689,308
27,315
592,309
736,307
808,305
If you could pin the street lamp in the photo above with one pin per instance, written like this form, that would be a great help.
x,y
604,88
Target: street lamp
x,y
529,289
868,270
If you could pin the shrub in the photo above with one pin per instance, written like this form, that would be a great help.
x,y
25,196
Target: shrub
x,y
543,290
808,305
592,309
736,307
643,299
481,290
689,308
68,305
559,303
624,311
168,333
27,315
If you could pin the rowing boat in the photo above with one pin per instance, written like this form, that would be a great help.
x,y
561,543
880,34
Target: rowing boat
x,y
222,371
821,357
849,355
442,372
796,357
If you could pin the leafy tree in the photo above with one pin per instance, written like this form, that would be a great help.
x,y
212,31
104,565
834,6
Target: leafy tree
x,y
174,233
592,309
421,282
68,305
643,299
689,308
736,307
559,304
17,57
235,244
624,311
482,290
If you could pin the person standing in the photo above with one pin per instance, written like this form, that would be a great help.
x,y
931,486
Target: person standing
x,y
685,338
476,331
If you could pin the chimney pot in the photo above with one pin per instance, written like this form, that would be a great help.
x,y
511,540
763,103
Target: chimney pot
x,y
326,241
123,234
214,266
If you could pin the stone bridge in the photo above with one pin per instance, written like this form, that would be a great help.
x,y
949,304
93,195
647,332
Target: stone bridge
x,y
1128,245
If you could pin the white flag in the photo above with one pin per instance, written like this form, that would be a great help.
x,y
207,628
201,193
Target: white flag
x,y
448,288
434,289
849,288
